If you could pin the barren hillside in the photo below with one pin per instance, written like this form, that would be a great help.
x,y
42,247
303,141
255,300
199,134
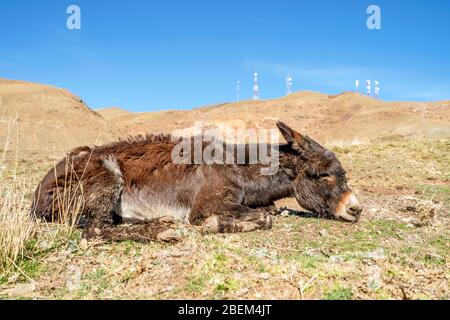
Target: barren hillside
x,y
49,118
346,117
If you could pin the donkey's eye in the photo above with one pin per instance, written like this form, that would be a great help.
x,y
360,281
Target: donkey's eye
x,y
327,177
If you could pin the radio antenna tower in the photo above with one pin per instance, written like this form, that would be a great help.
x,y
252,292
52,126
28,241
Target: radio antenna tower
x,y
289,82
377,89
238,91
255,87
357,85
369,87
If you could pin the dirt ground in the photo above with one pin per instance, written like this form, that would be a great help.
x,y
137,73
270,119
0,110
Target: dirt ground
x,y
399,250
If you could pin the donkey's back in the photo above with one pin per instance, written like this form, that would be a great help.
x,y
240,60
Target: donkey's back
x,y
133,190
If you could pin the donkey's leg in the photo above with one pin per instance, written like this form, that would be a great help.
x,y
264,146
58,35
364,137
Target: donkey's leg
x,y
271,209
100,221
228,217
244,220
100,224
102,192
160,229
220,209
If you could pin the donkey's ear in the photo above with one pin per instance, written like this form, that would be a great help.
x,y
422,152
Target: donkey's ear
x,y
294,138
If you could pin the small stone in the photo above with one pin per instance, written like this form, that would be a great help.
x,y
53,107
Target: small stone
x,y
176,254
433,256
416,265
260,253
323,233
336,258
242,292
312,252
285,213
83,244
264,276
167,289
21,290
45,245
168,235
377,254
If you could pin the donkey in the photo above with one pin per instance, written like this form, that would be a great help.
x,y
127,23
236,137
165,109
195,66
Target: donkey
x,y
133,190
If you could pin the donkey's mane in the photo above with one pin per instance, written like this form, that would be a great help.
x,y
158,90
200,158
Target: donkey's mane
x,y
163,139
148,137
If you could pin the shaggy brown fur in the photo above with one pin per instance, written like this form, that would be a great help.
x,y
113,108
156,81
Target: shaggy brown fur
x,y
133,190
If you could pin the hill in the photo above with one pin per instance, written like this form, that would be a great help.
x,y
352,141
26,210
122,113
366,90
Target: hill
x,y
347,117
49,118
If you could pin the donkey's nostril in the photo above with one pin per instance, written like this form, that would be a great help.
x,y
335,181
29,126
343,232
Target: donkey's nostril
x,y
354,210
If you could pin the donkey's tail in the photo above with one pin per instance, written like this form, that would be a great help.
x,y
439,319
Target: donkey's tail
x,y
60,190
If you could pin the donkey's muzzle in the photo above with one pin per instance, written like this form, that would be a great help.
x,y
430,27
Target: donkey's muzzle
x,y
349,208
355,211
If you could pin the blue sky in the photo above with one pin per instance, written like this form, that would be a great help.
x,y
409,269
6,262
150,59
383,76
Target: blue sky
x,y
155,55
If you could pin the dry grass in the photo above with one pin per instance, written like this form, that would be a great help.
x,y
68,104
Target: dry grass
x,y
20,233
69,200
16,225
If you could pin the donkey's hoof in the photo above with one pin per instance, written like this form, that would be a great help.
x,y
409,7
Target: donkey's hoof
x,y
211,225
167,220
267,222
168,235
278,211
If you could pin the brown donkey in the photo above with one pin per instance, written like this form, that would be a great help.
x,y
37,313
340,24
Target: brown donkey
x,y
133,190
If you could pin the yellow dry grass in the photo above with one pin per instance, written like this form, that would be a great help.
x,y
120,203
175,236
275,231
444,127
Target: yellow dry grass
x,y
16,225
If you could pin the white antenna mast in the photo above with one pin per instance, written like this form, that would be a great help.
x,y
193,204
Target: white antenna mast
x,y
369,87
255,87
377,89
357,85
289,82
238,91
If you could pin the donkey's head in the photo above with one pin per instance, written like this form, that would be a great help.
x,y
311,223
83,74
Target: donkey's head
x,y
320,184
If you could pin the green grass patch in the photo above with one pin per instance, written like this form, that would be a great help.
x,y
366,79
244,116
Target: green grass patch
x,y
384,228
308,261
339,293
227,286
437,192
434,260
196,284
31,267
441,243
